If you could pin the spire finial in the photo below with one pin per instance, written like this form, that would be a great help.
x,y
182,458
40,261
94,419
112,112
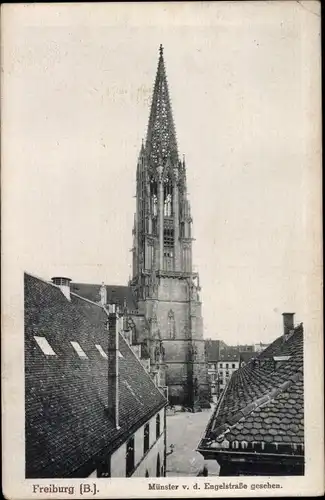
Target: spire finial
x,y
161,50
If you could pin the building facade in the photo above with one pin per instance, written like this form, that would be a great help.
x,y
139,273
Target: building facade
x,y
91,409
224,360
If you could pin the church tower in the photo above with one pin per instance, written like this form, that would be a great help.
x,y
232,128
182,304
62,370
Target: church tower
x,y
164,284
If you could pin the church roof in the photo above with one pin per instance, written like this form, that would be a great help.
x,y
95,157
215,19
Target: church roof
x,y
262,408
161,143
67,428
115,293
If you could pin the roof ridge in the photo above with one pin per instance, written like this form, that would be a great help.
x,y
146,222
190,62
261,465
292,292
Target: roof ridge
x,y
137,358
95,284
254,405
42,280
87,300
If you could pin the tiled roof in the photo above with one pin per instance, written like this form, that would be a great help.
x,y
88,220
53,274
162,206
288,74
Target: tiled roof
x,y
115,293
212,350
246,356
65,396
262,408
229,354
216,350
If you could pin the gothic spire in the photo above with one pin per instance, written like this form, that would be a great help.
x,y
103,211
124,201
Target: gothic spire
x,y
161,141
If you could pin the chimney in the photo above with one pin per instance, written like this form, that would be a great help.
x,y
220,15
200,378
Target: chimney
x,y
113,364
103,294
64,284
288,323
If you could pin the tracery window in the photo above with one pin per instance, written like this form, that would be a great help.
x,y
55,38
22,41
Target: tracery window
x,y
168,197
168,206
171,324
154,205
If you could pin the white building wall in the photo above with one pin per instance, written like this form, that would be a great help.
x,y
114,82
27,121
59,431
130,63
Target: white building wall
x,y
118,462
142,463
149,462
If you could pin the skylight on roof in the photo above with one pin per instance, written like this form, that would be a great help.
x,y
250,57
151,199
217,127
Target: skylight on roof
x,y
78,350
45,346
102,352
281,358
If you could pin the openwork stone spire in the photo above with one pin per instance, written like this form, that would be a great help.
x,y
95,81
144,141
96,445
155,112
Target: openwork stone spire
x,y
161,141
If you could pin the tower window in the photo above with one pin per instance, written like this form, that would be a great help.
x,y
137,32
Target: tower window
x,y
171,324
168,197
168,238
168,206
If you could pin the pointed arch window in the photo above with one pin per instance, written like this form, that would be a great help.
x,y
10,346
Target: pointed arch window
x,y
154,205
168,205
171,325
154,197
168,197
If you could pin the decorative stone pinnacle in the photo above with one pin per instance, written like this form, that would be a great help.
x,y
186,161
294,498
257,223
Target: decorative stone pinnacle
x,y
161,50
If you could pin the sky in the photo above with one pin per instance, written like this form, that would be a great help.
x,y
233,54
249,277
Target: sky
x,y
80,81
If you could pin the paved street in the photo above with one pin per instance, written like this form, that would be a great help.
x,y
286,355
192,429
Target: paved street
x,y
184,431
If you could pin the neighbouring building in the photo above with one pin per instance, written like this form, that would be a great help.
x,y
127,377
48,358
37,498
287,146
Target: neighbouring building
x,y
228,363
257,428
260,347
245,357
224,360
162,302
91,409
212,348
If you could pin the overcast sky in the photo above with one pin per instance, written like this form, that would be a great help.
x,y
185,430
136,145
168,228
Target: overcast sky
x,y
81,80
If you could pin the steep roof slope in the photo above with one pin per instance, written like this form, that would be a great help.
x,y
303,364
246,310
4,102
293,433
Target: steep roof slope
x,y
115,293
262,408
66,396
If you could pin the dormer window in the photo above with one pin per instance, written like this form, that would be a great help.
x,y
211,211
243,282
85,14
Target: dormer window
x,y
45,346
280,360
79,350
102,352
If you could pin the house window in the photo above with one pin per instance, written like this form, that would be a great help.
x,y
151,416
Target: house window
x,y
220,365
146,438
45,346
233,365
227,366
130,456
157,426
104,469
